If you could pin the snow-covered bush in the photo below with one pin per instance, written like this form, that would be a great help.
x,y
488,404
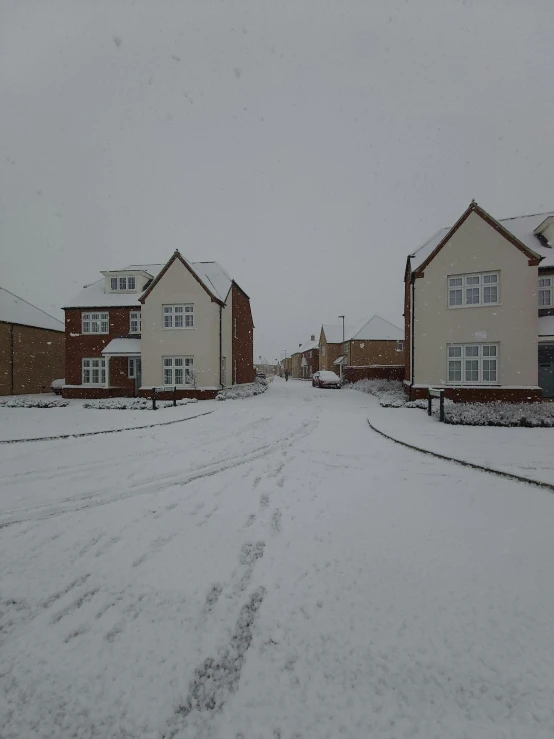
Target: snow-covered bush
x,y
132,404
389,393
243,391
420,403
500,414
23,402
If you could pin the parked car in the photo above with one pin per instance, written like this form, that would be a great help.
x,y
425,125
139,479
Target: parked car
x,y
56,386
324,378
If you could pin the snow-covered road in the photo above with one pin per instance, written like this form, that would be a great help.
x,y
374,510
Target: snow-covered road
x,y
273,570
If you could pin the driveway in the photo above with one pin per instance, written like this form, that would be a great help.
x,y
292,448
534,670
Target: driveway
x,y
272,570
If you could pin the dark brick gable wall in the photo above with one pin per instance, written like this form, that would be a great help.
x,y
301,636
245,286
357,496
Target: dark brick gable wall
x,y
243,341
38,359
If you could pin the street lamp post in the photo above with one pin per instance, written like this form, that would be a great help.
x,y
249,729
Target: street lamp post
x,y
342,344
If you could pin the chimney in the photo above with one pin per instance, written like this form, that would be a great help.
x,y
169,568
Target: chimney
x,y
312,337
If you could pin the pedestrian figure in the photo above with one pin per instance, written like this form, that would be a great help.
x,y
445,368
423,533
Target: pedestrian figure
x,y
286,375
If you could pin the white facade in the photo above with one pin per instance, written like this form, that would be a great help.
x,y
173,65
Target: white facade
x,y
179,287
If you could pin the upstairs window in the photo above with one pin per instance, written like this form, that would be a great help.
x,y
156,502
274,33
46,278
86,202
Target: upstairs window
x,y
178,316
135,322
95,323
123,283
399,346
474,289
130,283
113,283
545,292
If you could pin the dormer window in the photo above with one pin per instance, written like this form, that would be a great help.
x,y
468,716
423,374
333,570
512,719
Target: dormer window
x,y
113,283
123,283
130,283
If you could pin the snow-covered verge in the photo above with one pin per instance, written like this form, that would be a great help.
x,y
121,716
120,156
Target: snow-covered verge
x,y
274,569
34,401
32,422
499,414
237,392
389,393
132,404
520,451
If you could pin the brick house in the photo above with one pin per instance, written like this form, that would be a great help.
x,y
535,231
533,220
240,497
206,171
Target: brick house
x,y
374,349
32,347
305,361
184,325
478,310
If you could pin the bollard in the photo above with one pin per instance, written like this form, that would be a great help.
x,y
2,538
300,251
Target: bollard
x,y
441,408
174,396
153,398
430,405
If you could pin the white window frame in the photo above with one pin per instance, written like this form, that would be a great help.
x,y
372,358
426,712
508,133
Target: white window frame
x,y
123,283
545,290
399,346
137,319
478,283
174,368
131,367
112,281
480,353
90,319
90,365
133,281
178,313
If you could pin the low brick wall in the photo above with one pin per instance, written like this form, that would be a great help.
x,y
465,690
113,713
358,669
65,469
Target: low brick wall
x,y
92,393
353,374
181,393
480,394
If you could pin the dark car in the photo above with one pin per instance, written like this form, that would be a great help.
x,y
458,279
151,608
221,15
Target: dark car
x,y
324,378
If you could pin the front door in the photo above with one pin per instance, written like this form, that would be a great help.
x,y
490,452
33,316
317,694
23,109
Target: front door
x,y
546,370
138,376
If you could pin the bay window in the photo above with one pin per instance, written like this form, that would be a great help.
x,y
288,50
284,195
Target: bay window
x,y
472,363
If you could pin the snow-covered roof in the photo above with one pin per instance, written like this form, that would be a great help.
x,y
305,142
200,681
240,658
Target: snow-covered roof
x,y
214,277
340,360
546,326
211,274
522,227
378,329
334,334
17,310
122,347
308,347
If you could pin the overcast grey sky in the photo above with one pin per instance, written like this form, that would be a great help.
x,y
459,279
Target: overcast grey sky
x,y
306,145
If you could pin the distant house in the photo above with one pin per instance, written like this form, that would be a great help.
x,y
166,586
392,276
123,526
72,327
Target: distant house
x,y
183,325
305,361
32,347
373,350
478,309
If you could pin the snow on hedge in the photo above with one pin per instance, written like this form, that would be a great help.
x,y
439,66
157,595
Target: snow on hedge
x,y
24,402
243,391
389,393
132,404
500,414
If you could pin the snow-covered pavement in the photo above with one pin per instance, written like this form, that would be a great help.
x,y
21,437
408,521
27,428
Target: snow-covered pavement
x,y
272,570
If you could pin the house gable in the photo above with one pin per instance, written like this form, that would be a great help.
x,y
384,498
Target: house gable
x,y
177,257
474,208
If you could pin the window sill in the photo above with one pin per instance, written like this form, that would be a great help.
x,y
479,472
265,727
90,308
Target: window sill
x,y
478,305
179,328
472,384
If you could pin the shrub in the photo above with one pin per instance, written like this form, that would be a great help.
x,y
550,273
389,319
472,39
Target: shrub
x,y
500,414
132,404
237,392
34,403
389,393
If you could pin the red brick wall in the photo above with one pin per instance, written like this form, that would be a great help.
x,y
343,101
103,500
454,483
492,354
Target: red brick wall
x,y
38,358
353,374
407,329
480,395
243,342
79,346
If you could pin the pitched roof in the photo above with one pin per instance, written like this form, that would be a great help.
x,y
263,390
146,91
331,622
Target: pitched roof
x,y
211,275
520,228
334,334
16,310
378,329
